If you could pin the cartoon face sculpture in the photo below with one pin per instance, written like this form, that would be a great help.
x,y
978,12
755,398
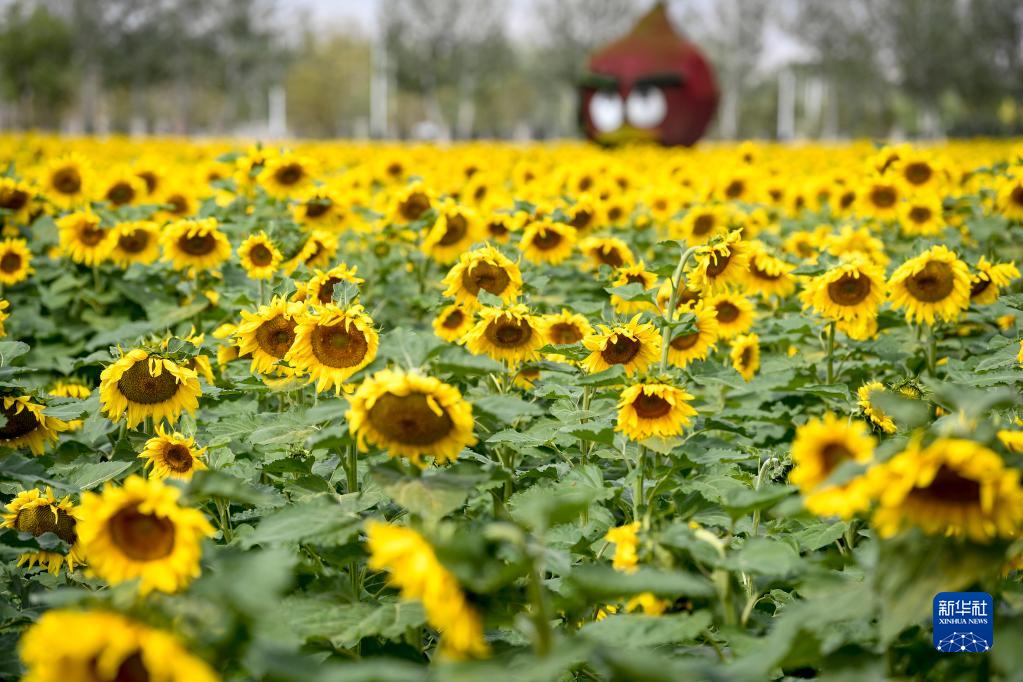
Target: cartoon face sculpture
x,y
650,85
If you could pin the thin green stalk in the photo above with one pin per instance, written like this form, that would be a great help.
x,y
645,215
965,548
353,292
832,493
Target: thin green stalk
x,y
541,612
831,353
639,483
677,280
262,292
352,469
931,350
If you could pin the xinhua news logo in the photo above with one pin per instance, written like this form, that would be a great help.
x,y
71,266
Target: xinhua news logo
x,y
964,622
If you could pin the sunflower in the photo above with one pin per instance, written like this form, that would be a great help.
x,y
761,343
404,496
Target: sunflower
x,y
500,226
565,328
850,292
413,568
986,282
15,261
609,251
67,181
734,313
1012,440
319,208
768,274
140,531
485,269
268,334
16,200
879,198
411,415
720,263
696,344
745,355
317,251
921,216
701,223
686,299
805,245
195,245
122,188
286,175
850,240
545,241
259,256
4,305
876,416
1009,198
172,455
952,487
178,203
333,343
90,646
82,239
509,334
320,287
36,512
583,214
70,389
918,171
633,274
452,323
626,541
410,204
819,448
27,426
142,385
935,284
634,345
455,230
135,242
646,410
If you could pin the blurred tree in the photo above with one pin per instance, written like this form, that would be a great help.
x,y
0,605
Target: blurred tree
x,y
328,84
35,63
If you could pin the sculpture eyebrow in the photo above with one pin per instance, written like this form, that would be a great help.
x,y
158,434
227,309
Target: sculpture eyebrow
x,y
661,79
598,81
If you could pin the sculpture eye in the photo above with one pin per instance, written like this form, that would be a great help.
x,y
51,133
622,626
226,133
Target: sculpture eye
x,y
646,107
606,110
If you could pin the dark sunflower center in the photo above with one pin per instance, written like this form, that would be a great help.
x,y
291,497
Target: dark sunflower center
x,y
414,206
919,214
650,406
703,224
614,213
762,274
139,386
14,200
581,219
457,227
735,189
10,262
883,197
326,292
141,537
18,424
317,207
562,333
395,169
949,488
66,181
621,350
849,290
506,332
91,235
179,205
717,262
39,520
177,458
746,358
453,320
289,174
585,183
260,255
120,193
546,239
486,276
339,347
276,336
846,199
917,173
635,279
610,256
932,284
149,178
409,419
685,341
976,289
133,242
726,312
686,297
1016,195
497,229
197,244
832,455
132,669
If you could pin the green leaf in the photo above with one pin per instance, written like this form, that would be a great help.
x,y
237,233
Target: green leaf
x,y
606,584
633,630
345,625
88,476
432,496
320,520
506,408
764,556
548,504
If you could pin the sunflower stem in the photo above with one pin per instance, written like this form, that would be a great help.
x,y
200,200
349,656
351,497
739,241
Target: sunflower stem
x,y
831,353
677,280
931,350
541,611
262,292
639,483
351,469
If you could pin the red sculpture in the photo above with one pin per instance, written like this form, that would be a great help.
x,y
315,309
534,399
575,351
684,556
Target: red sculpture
x,y
651,84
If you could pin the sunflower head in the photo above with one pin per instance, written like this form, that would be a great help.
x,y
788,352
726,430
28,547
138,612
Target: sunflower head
x,y
485,269
27,425
768,275
195,245
820,447
655,409
933,285
874,414
37,512
286,175
333,343
82,239
143,385
633,345
135,242
633,274
320,287
267,334
411,415
509,334
259,256
851,291
734,313
609,251
988,279
456,229
15,261
546,241
720,263
745,355
172,455
67,181
139,530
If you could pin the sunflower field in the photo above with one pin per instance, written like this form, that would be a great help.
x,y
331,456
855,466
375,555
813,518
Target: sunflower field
x,y
342,411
